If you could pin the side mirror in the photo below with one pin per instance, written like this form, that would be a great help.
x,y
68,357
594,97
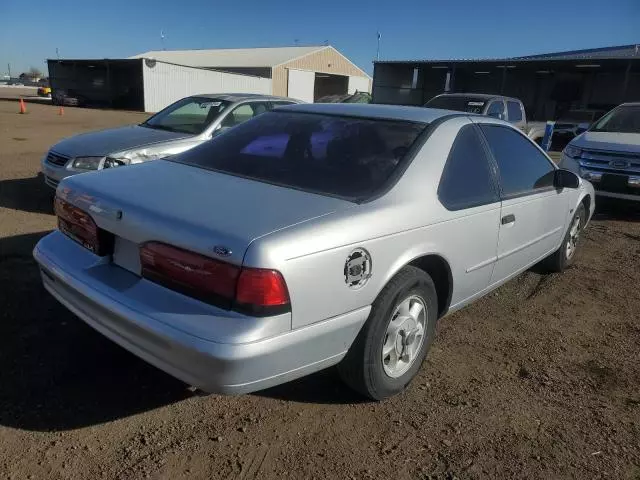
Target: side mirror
x,y
565,179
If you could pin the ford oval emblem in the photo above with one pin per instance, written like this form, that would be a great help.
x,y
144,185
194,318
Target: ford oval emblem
x,y
222,251
619,164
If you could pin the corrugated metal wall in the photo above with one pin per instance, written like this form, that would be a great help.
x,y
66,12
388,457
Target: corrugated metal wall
x,y
165,83
327,60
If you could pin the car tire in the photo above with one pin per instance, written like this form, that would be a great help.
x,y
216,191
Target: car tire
x,y
563,257
389,329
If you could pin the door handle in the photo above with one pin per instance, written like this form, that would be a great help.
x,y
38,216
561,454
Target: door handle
x,y
507,219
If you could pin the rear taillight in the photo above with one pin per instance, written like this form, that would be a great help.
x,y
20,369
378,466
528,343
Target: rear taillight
x,y
252,291
189,273
78,225
260,289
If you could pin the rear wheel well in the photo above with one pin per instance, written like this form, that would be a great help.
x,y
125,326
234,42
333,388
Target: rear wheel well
x,y
440,272
586,201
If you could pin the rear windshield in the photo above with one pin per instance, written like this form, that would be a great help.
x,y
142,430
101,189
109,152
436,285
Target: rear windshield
x,y
457,103
351,158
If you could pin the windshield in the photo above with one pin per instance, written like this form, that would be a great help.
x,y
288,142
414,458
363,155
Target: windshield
x,y
189,115
350,158
457,103
625,119
578,116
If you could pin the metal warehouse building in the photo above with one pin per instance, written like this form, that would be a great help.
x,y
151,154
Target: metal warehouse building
x,y
547,84
152,80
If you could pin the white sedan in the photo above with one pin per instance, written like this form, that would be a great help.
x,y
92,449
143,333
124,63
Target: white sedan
x,y
310,236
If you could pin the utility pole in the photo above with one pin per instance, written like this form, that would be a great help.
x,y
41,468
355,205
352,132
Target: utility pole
x,y
378,49
9,67
162,39
57,53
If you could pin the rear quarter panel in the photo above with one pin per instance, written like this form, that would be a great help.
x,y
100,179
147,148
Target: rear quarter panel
x,y
406,223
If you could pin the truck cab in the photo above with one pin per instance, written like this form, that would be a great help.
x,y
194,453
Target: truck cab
x,y
496,106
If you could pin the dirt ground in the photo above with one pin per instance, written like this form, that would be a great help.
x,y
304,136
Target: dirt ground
x,y
539,380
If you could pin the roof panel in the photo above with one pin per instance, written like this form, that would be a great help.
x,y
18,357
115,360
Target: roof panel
x,y
391,112
231,57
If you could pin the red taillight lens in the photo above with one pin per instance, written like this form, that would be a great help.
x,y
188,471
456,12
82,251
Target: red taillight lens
x,y
263,288
78,225
249,290
189,273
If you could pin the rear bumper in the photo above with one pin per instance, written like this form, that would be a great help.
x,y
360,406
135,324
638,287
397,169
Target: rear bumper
x,y
137,315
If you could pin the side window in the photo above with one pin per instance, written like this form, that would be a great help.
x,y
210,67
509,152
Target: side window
x,y
523,168
515,112
496,109
242,113
467,180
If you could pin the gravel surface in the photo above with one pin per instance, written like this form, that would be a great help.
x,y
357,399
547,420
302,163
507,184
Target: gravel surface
x,y
541,379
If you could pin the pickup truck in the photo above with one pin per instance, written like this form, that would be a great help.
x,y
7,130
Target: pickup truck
x,y
496,106
572,123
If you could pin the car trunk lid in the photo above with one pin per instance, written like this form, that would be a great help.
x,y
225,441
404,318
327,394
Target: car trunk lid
x,y
205,212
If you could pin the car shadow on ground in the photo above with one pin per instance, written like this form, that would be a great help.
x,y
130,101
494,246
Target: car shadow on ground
x,y
619,210
27,194
56,373
324,387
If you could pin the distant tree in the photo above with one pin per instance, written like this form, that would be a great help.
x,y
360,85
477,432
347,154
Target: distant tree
x,y
35,72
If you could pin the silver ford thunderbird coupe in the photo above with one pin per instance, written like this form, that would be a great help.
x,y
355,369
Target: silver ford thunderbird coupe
x,y
310,236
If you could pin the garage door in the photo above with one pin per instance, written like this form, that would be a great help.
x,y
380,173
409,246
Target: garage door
x,y
301,85
361,84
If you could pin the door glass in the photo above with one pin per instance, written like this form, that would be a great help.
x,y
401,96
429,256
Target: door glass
x,y
243,113
515,112
523,168
467,179
496,110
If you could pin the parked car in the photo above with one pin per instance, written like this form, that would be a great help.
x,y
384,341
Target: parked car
x,y
179,127
66,98
496,106
608,153
44,91
357,97
571,124
309,236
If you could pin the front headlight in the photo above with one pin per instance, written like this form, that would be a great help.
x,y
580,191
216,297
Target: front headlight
x,y
571,151
86,163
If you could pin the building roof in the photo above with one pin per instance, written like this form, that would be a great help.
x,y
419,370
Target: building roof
x,y
389,112
231,57
619,52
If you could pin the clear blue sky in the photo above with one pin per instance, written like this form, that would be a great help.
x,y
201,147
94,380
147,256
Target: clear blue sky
x,y
30,30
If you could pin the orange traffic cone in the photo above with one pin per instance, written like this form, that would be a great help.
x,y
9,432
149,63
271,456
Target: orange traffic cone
x,y
23,107
61,110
